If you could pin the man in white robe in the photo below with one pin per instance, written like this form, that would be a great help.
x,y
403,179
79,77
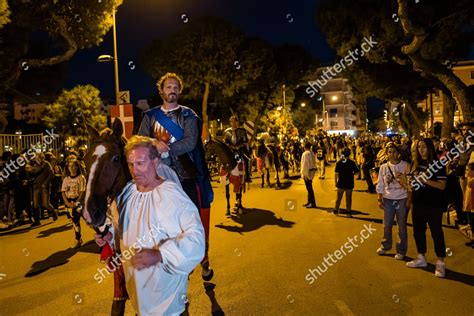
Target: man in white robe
x,y
160,232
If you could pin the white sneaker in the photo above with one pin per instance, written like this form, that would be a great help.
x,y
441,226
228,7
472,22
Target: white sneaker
x,y
440,271
381,251
420,262
399,256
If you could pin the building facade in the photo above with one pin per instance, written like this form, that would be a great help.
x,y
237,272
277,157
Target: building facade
x,y
340,114
464,70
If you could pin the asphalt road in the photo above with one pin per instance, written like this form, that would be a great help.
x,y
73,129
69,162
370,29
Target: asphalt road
x,y
261,262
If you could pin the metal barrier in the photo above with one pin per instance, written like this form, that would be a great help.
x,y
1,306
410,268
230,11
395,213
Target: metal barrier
x,y
16,143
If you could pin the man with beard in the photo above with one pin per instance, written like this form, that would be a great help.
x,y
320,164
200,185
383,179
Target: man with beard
x,y
177,133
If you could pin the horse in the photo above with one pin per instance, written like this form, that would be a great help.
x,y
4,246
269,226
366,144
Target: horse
x,y
232,171
108,173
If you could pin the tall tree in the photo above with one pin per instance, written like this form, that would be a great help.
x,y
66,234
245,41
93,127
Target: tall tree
x,y
284,68
210,54
442,29
73,109
391,82
346,23
65,26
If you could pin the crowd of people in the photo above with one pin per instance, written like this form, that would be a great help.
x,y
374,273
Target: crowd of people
x,y
36,190
426,175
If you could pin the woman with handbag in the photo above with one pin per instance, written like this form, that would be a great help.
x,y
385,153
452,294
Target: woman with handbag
x,y
395,199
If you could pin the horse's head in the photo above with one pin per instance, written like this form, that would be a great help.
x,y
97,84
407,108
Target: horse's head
x,y
107,171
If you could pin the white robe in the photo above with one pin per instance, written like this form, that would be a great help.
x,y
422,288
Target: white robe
x,y
165,219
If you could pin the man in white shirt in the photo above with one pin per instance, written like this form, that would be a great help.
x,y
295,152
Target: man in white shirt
x,y
308,170
160,227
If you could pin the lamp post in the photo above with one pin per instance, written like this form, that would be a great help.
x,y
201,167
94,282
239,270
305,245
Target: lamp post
x,y
107,58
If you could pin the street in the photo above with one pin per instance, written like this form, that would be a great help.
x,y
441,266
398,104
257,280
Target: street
x,y
261,261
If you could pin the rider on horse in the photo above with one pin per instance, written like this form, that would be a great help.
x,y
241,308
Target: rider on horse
x,y
177,130
236,138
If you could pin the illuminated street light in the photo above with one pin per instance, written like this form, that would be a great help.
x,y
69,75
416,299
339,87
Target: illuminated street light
x,y
105,58
279,108
334,98
108,58
303,105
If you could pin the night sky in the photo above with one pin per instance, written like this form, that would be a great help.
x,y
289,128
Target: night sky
x,y
139,22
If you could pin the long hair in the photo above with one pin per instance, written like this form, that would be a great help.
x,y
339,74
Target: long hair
x,y
78,167
431,152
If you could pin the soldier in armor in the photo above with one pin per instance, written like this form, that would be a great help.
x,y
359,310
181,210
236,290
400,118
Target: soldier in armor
x,y
236,138
177,132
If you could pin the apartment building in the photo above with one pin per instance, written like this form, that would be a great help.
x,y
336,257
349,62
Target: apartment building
x,y
340,114
465,71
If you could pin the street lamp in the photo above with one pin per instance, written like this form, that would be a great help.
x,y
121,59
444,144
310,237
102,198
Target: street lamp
x,y
303,105
108,58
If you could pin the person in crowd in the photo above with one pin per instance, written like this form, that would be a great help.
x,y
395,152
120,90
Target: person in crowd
x,y
263,156
395,199
73,188
161,226
359,158
285,164
56,180
405,149
236,138
296,152
308,170
43,174
339,146
429,203
381,157
344,179
7,201
369,163
321,159
20,190
469,199
454,191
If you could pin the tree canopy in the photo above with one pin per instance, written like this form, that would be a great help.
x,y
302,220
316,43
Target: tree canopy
x,y
210,54
4,13
63,26
73,109
443,29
